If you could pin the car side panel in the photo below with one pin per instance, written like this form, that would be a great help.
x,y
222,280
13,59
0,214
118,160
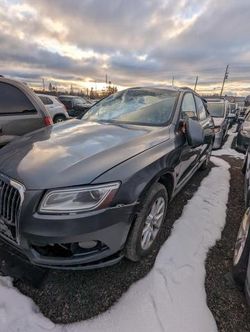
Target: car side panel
x,y
12,125
247,283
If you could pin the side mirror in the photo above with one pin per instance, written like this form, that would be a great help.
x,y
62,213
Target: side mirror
x,y
194,133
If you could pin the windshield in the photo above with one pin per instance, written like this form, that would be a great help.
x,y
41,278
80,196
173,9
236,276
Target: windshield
x,y
135,106
217,110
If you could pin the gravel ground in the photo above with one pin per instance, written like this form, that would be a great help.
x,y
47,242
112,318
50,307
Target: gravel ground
x,y
225,300
66,297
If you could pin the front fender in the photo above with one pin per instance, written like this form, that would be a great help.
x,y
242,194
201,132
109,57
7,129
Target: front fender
x,y
139,172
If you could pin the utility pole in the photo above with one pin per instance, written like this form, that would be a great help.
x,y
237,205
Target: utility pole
x,y
172,80
196,81
43,85
224,79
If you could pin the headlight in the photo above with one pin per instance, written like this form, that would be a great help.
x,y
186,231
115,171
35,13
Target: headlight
x,y
78,199
217,129
245,133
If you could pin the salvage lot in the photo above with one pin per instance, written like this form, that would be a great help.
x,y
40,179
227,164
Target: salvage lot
x,y
67,297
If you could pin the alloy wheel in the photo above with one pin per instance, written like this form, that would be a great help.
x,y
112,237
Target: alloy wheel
x,y
153,223
241,238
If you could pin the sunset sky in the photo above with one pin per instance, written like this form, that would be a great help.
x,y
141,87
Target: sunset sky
x,y
136,42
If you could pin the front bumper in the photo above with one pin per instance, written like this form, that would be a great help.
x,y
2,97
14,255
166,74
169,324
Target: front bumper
x,y
242,143
52,241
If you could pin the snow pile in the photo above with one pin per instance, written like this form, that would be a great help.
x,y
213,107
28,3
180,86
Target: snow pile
x,y
171,297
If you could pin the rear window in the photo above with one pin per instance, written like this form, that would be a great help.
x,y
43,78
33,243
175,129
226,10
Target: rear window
x,y
217,110
14,101
46,100
200,108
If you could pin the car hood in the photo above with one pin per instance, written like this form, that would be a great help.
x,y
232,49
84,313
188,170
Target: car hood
x,y
74,152
218,121
246,126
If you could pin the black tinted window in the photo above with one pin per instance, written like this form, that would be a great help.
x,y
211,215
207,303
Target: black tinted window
x,y
67,103
46,100
12,100
200,108
79,101
188,108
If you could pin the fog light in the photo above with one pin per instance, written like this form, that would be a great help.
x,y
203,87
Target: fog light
x,y
87,245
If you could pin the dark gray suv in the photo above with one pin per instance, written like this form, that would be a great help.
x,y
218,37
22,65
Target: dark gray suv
x,y
21,111
83,194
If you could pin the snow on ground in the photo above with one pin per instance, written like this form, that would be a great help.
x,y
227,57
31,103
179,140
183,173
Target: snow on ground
x,y
226,148
171,297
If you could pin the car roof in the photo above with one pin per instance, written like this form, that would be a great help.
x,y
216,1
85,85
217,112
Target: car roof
x,y
214,100
167,87
69,96
44,95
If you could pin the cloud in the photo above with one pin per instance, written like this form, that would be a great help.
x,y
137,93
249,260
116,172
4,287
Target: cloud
x,y
135,42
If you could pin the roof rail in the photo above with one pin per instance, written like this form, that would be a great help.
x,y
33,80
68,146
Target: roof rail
x,y
186,87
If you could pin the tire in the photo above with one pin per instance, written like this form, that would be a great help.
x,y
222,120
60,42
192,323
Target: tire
x,y
241,256
244,167
137,247
205,164
59,118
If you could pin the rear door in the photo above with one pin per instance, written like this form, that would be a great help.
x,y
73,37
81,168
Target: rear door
x,y
189,155
18,115
206,122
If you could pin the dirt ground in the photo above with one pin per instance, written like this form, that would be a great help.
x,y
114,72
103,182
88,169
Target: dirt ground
x,y
225,299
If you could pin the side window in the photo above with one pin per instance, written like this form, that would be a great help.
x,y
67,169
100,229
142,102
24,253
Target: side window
x,y
188,108
46,100
67,103
78,101
14,101
202,114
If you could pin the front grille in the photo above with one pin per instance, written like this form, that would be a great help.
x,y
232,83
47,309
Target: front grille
x,y
10,203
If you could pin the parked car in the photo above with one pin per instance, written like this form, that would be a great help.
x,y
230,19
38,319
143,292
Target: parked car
x,y
247,101
219,109
21,111
76,106
243,136
241,261
232,114
88,192
56,109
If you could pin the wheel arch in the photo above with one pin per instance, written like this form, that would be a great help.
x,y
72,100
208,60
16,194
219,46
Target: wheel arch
x,y
167,179
59,115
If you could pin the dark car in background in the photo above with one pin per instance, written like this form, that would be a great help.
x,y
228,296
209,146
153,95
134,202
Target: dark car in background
x,y
247,101
241,261
86,193
219,109
243,136
21,111
232,114
76,106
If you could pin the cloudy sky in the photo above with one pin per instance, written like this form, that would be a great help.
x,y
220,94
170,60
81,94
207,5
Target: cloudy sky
x,y
136,42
